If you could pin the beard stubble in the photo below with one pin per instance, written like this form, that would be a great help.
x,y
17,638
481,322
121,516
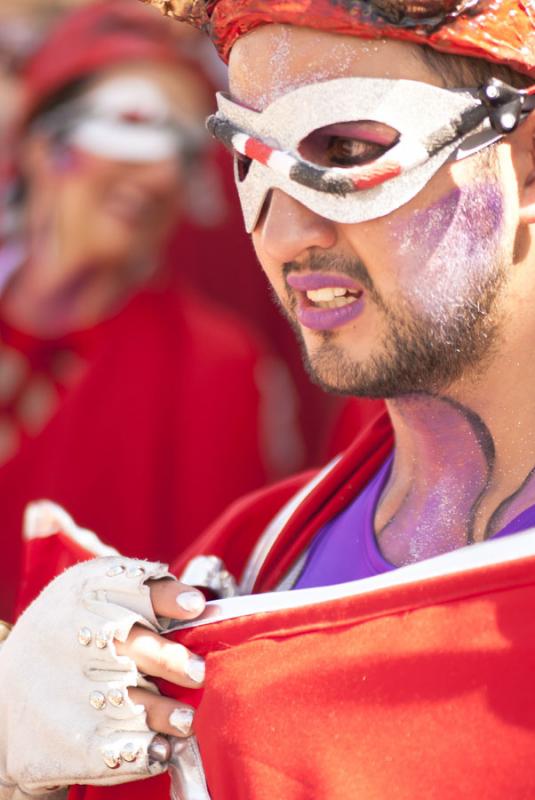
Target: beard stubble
x,y
414,355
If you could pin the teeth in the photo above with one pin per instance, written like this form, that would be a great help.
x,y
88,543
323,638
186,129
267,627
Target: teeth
x,y
331,297
326,295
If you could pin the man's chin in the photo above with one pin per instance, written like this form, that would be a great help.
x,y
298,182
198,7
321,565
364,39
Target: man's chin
x,y
334,373
379,378
406,362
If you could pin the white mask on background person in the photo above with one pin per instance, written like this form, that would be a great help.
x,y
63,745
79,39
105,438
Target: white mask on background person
x,y
128,119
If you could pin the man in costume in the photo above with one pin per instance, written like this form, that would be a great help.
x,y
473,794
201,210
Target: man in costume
x,y
390,194
111,139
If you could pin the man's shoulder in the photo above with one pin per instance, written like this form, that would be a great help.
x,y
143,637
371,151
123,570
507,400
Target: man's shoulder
x,y
234,534
295,509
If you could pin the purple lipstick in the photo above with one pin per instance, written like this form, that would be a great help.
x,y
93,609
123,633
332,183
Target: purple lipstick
x,y
326,300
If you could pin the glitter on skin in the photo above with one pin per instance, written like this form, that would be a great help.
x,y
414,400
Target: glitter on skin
x,y
512,506
282,78
443,259
439,320
454,238
463,228
440,505
487,392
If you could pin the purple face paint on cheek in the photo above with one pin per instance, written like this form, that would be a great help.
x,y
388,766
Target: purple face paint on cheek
x,y
443,253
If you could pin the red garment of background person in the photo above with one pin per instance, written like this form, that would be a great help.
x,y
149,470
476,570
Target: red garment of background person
x,y
161,432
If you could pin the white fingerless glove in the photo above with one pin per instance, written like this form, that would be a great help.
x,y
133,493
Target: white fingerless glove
x,y
65,714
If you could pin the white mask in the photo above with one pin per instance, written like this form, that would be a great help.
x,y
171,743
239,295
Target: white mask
x,y
428,125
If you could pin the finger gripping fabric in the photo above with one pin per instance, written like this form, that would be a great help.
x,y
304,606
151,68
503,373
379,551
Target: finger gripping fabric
x,y
64,705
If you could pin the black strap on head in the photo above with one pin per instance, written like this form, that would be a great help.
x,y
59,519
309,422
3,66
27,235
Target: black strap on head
x,y
505,105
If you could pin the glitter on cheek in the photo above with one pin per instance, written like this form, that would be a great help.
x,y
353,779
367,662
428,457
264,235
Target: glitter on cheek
x,y
445,251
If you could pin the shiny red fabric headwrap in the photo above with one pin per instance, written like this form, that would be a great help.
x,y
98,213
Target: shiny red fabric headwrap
x,y
502,31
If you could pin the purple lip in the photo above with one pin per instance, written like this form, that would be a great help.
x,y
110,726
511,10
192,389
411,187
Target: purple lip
x,y
320,280
324,319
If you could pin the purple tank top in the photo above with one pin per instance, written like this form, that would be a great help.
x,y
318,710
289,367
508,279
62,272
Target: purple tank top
x,y
346,548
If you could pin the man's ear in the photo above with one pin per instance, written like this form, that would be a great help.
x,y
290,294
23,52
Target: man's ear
x,y
523,145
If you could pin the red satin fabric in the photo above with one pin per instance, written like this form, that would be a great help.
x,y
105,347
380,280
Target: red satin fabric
x,y
503,32
423,690
418,691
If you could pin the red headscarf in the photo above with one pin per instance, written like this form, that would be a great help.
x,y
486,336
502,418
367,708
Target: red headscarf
x,y
502,31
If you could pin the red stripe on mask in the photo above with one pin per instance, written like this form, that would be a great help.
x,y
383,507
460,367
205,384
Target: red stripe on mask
x,y
377,175
258,151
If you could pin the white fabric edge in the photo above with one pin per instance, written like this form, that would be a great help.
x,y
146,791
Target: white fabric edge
x,y
267,540
466,559
44,518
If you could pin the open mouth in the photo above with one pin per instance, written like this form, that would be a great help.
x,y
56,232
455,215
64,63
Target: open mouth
x,y
332,297
326,301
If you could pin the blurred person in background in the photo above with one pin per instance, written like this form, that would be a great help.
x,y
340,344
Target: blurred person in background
x,y
18,35
136,404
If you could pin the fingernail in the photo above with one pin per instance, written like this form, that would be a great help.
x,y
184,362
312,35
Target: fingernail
x,y
192,602
159,750
195,669
182,720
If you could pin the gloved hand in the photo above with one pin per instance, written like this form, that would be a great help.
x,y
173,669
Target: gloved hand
x,y
74,708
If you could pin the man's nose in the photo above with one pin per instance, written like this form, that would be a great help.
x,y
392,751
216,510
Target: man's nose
x,y
289,229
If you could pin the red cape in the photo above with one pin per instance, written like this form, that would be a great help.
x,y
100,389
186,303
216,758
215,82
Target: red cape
x,y
423,690
416,689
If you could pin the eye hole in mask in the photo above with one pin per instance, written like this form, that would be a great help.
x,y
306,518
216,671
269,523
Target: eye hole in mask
x,y
243,165
348,144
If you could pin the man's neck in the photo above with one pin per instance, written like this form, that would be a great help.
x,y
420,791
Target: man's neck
x,y
463,465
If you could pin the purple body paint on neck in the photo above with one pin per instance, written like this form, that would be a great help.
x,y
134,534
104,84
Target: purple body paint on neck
x,y
444,479
513,506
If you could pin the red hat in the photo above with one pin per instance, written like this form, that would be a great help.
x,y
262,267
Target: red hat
x,y
92,38
502,31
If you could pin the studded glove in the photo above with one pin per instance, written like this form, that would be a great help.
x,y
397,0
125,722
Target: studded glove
x,y
65,714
